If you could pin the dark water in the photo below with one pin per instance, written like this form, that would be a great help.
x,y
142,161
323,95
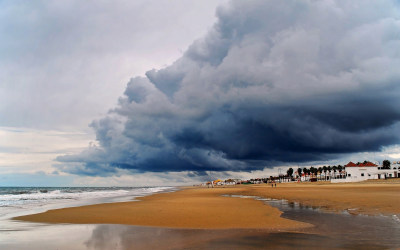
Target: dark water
x,y
331,231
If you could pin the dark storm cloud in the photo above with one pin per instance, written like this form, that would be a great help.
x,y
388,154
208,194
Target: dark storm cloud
x,y
272,81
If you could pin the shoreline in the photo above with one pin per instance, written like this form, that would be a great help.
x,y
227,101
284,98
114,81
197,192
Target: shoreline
x,y
32,204
206,208
188,208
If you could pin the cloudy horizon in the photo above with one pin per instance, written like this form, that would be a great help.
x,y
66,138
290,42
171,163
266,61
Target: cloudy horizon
x,y
178,93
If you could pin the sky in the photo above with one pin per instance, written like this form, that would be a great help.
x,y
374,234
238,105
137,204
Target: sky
x,y
157,92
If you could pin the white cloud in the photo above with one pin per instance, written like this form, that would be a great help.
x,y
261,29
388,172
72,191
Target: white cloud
x,y
24,150
65,63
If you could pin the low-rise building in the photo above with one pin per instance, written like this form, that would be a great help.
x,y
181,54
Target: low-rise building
x,y
368,171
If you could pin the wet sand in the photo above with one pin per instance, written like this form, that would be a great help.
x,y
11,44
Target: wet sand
x,y
206,208
195,208
369,198
85,237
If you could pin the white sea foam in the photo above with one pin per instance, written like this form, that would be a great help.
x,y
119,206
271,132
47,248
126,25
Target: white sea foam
x,y
20,199
28,199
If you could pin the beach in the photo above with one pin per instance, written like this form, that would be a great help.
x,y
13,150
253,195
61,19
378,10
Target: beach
x,y
290,216
207,208
195,208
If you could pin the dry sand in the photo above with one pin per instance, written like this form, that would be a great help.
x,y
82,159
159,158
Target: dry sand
x,y
205,208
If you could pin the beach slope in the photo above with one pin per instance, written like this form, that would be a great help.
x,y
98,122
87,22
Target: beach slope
x,y
206,208
199,208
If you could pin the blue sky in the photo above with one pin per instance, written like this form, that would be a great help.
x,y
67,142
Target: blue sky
x,y
169,93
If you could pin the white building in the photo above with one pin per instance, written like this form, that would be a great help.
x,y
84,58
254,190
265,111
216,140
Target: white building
x,y
395,166
368,171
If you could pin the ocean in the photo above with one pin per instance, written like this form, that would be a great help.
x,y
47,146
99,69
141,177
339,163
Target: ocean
x,y
15,201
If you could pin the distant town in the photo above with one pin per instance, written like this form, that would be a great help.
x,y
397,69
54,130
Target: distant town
x,y
351,172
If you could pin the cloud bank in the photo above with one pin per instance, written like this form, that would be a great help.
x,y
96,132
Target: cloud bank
x,y
65,63
272,81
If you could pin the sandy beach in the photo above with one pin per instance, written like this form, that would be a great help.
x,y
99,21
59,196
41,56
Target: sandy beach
x,y
196,208
206,208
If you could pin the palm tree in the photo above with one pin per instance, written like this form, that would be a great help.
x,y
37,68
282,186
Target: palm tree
x,y
305,170
386,164
334,171
325,169
312,170
340,168
290,173
329,169
299,172
320,172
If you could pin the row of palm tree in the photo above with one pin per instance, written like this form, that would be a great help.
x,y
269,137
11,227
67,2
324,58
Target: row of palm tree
x,y
315,172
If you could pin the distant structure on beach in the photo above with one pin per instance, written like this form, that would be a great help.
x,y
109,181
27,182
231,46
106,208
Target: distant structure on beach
x,y
219,182
351,172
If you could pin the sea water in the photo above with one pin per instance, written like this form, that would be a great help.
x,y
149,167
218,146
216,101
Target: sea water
x,y
15,201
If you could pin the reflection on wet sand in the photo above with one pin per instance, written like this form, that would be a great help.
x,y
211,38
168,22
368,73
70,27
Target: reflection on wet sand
x,y
130,237
115,237
332,230
364,229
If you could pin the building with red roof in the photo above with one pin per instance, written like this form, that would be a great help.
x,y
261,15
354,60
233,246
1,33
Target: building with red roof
x,y
367,170
364,164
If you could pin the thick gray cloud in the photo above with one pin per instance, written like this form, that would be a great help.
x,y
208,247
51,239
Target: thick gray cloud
x,y
272,81
64,63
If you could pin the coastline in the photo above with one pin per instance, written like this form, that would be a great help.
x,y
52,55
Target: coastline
x,y
22,201
190,208
206,208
